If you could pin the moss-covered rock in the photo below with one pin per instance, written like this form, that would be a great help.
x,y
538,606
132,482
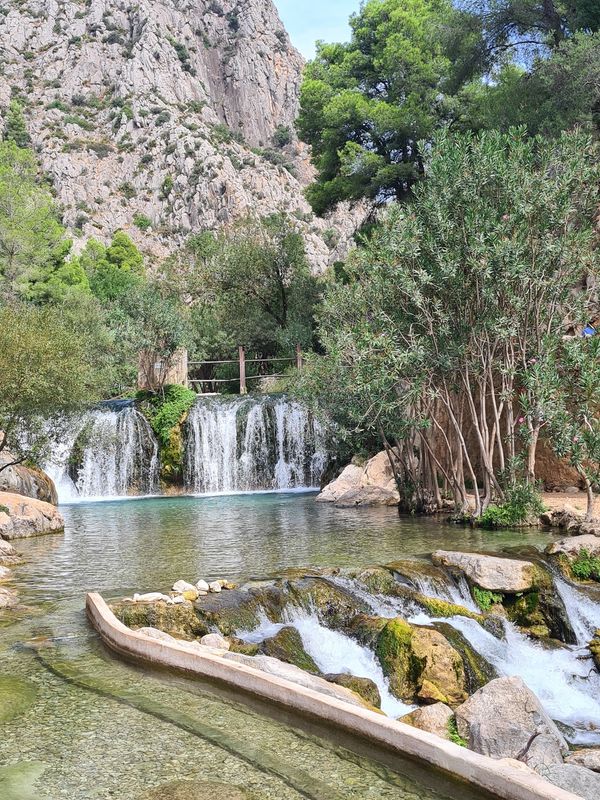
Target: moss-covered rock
x,y
16,696
241,609
442,608
420,663
334,606
477,670
364,687
180,621
366,629
287,645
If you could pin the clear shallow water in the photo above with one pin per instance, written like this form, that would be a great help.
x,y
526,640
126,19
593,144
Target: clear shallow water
x,y
91,727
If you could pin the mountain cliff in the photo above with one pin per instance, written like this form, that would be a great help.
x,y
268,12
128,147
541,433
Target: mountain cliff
x,y
164,117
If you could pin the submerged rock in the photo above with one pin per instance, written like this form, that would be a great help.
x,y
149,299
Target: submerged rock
x,y
21,517
433,719
287,646
364,687
506,575
16,696
195,790
504,718
8,598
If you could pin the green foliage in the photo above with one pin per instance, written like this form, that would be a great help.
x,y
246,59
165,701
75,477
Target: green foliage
x,y
47,372
436,304
167,409
142,222
33,245
115,270
485,599
167,186
282,136
586,567
522,503
4,509
366,105
15,129
454,735
250,285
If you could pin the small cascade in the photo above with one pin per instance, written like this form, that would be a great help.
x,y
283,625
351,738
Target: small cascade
x,y
447,587
108,452
333,652
249,444
582,612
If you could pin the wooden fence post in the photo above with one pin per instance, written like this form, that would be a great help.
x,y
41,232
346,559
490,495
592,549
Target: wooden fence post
x,y
299,359
243,389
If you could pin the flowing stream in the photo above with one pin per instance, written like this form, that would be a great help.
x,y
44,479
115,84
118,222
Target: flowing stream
x,y
78,723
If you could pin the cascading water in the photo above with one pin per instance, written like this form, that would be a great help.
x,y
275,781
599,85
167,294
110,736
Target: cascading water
x,y
333,652
108,452
249,444
563,677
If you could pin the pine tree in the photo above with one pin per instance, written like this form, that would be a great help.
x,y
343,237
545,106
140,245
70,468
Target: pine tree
x,y
15,129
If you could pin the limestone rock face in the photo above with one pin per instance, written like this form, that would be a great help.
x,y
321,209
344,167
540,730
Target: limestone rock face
x,y
489,572
27,481
370,485
166,109
433,719
27,517
504,719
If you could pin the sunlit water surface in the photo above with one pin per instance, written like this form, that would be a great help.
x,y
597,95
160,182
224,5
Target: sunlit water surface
x,y
76,723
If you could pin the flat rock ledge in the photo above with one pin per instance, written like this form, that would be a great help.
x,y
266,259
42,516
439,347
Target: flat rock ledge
x,y
571,546
21,517
495,574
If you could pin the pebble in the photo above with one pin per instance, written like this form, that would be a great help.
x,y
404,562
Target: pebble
x,y
183,586
215,586
202,586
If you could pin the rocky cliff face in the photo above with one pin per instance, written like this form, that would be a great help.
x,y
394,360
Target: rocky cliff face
x,y
163,117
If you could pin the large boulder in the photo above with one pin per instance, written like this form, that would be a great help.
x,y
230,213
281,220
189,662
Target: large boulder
x,y
506,575
420,663
28,481
179,621
579,781
433,719
504,719
21,517
571,546
373,484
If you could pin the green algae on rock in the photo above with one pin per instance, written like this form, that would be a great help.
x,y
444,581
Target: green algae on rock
x,y
364,687
17,781
179,621
16,696
287,645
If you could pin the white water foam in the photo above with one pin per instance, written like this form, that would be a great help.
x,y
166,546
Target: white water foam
x,y
333,652
582,612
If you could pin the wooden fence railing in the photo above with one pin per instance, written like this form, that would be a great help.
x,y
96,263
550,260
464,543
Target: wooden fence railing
x,y
196,368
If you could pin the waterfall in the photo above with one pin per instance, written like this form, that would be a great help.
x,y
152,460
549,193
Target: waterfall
x,y
108,452
449,588
248,444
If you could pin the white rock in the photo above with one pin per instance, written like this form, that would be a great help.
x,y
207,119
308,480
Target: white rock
x,y
183,586
149,597
215,586
202,593
202,586
215,640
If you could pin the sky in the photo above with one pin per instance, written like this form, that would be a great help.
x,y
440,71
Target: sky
x,y
309,20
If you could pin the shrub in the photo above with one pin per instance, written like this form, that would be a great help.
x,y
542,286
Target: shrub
x,y
453,733
586,567
282,136
522,502
142,222
167,186
165,411
4,510
128,190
